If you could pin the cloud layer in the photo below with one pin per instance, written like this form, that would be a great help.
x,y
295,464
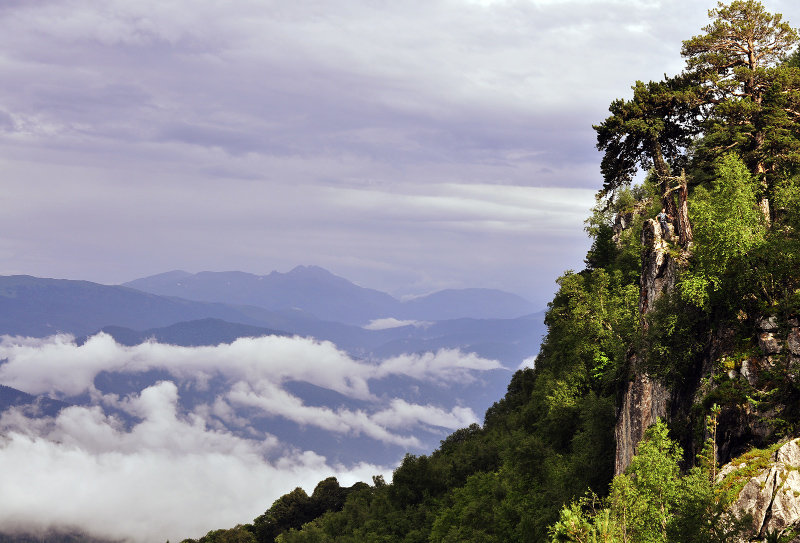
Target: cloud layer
x,y
182,455
168,477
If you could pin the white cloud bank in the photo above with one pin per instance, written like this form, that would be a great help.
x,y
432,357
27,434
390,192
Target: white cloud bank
x,y
391,322
168,477
176,472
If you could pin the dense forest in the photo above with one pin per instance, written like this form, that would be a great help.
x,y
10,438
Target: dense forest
x,y
718,148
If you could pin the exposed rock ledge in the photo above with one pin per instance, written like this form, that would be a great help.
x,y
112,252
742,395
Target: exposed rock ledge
x,y
772,495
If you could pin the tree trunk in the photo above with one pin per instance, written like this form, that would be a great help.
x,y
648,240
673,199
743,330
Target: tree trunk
x,y
668,202
684,227
763,204
661,166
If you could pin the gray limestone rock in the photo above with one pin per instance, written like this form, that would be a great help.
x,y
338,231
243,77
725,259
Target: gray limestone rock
x,y
768,343
772,496
755,498
789,454
793,340
785,510
658,267
750,372
644,401
768,324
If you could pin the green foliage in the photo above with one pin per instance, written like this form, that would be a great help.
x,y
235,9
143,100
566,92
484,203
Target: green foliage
x,y
728,226
592,320
652,502
478,513
752,94
239,534
291,510
575,525
652,130
629,207
644,499
416,480
787,204
676,335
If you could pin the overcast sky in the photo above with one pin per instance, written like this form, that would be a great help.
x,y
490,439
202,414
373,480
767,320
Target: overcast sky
x,y
408,146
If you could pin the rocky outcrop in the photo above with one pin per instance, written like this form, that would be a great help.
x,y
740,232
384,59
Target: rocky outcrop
x,y
658,267
771,495
773,355
644,399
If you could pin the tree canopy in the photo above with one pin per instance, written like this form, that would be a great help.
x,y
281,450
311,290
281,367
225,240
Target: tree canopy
x,y
737,93
739,46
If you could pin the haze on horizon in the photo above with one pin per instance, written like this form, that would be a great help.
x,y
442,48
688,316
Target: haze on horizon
x,y
408,147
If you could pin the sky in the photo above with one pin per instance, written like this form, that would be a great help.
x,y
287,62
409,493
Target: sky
x,y
407,146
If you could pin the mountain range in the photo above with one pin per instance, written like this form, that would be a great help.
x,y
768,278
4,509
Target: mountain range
x,y
317,291
488,322
217,308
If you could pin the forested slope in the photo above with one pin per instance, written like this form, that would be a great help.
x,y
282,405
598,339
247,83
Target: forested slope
x,y
687,309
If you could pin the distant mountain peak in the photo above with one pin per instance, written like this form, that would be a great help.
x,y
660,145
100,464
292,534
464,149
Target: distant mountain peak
x,y
174,275
316,291
309,268
311,271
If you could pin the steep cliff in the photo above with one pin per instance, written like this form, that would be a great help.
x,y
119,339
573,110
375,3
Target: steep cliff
x,y
644,399
750,364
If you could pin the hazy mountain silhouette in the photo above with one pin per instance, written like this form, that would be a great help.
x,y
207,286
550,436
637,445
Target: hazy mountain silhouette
x,y
30,404
191,333
329,297
475,303
40,307
307,288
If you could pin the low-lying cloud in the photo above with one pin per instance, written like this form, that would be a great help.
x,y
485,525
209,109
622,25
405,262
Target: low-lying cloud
x,y
60,367
391,322
146,465
168,477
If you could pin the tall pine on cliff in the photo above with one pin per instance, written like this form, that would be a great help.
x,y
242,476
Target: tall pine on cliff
x,y
721,143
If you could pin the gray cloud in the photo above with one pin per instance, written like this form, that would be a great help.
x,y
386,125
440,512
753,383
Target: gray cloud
x,y
206,130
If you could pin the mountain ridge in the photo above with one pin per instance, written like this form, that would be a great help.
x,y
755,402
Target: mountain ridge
x,y
330,297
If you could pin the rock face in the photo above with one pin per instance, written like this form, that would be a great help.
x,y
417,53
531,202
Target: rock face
x,y
658,267
643,402
775,352
771,496
644,399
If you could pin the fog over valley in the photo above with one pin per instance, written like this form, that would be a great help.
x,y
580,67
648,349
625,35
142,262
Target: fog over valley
x,y
193,451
